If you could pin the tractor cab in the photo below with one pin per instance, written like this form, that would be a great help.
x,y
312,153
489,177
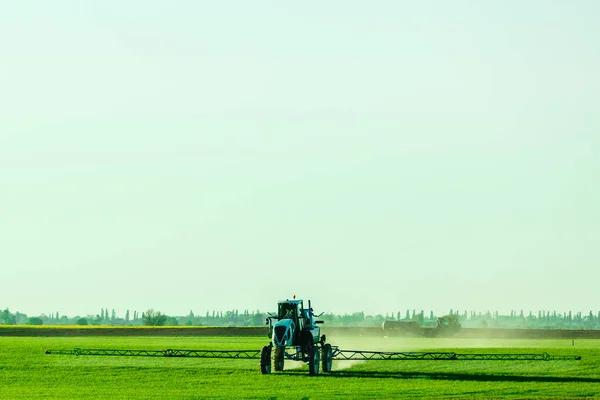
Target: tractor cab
x,y
290,322
291,309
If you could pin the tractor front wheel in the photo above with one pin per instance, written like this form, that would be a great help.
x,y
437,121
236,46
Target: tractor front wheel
x,y
265,360
313,361
307,343
279,358
327,357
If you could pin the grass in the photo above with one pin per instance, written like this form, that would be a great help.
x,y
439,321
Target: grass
x,y
26,372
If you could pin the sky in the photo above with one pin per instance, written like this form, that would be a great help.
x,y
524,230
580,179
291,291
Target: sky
x,y
369,156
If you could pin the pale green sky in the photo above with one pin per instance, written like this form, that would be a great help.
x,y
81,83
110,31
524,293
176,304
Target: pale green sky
x,y
371,156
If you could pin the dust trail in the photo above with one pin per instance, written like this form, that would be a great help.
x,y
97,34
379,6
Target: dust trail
x,y
345,364
293,365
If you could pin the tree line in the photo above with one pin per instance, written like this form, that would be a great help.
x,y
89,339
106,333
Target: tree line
x,y
543,319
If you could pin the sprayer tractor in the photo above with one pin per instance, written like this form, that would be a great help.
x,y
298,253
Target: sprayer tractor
x,y
295,327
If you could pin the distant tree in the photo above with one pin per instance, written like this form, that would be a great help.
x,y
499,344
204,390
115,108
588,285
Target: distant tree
x,y
359,316
127,316
8,317
82,321
449,322
258,319
420,317
94,319
35,321
153,318
113,316
20,318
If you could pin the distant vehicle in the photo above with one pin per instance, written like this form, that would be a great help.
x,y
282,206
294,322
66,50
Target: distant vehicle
x,y
446,325
401,327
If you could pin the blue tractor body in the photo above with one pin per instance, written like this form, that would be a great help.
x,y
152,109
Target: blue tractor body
x,y
295,326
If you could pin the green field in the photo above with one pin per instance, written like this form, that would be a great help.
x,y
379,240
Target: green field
x,y
27,373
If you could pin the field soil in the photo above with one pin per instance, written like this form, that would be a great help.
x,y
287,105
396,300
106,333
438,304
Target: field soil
x,y
474,333
499,333
471,333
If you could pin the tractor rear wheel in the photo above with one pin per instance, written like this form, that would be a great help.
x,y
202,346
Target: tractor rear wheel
x,y
327,357
313,361
265,360
279,358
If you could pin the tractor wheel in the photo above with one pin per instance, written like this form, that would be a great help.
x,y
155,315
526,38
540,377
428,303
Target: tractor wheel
x,y
313,361
265,360
327,357
279,358
307,344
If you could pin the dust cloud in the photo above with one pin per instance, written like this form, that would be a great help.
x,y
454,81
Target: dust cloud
x,y
345,364
403,343
293,364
